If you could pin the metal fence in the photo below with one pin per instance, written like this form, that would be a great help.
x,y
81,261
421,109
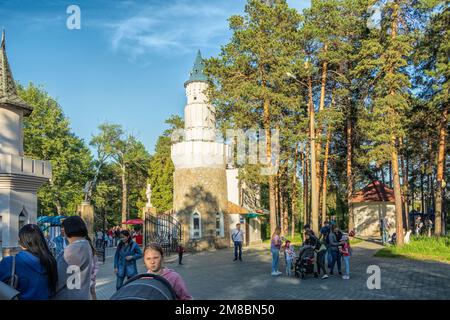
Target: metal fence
x,y
164,230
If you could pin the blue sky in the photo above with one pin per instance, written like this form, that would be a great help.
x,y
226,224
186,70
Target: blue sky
x,y
128,62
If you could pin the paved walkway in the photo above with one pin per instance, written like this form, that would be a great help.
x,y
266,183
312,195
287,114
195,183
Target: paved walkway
x,y
213,275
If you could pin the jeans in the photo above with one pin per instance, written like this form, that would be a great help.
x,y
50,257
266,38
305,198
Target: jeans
x,y
288,266
347,265
238,245
180,257
275,257
385,237
321,261
335,257
329,258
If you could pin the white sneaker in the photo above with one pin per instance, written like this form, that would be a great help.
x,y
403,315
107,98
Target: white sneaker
x,y
274,274
279,272
325,276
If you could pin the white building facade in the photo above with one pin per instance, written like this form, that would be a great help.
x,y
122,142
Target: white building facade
x,y
20,177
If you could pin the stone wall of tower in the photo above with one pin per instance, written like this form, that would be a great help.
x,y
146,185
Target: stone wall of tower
x,y
11,137
203,190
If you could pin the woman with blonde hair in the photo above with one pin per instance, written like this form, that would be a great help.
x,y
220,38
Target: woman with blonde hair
x,y
275,246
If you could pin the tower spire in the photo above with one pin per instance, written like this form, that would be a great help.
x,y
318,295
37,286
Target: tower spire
x,y
197,70
3,38
8,91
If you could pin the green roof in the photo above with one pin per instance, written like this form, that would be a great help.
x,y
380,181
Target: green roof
x,y
197,71
8,91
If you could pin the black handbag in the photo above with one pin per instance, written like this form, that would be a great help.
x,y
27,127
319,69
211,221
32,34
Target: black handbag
x,y
8,290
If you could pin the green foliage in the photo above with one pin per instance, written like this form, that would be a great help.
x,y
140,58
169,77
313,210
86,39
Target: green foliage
x,y
420,248
162,168
129,160
47,136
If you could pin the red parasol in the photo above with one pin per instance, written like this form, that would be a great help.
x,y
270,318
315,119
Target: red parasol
x,y
134,221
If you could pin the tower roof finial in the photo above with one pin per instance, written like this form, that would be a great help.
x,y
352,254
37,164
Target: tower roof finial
x,y
3,38
197,71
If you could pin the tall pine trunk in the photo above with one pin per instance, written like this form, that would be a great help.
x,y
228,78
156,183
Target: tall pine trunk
x,y
325,176
294,193
405,184
397,194
305,186
422,192
312,133
351,221
393,165
285,215
438,229
319,131
272,196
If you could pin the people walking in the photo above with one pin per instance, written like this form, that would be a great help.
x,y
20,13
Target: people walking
x,y
384,224
289,257
60,243
127,253
333,246
180,250
310,242
35,266
321,254
238,237
153,259
275,246
77,257
346,253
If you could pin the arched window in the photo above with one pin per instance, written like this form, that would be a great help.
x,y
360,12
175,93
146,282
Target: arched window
x,y
219,224
196,225
23,218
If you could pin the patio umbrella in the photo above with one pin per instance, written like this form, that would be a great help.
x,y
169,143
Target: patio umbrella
x,y
134,221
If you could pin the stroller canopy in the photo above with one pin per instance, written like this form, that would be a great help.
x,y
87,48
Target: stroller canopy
x,y
145,287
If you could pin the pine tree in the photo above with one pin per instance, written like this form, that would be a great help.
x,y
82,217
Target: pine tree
x,y
248,77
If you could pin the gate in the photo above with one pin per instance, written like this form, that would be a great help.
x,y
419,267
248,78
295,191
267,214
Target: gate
x,y
164,230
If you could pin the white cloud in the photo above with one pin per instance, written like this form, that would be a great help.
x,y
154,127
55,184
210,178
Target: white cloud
x,y
178,26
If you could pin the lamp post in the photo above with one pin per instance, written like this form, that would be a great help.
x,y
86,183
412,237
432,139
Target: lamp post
x,y
312,138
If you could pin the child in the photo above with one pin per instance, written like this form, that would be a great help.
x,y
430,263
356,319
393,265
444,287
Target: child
x,y
180,251
346,253
289,255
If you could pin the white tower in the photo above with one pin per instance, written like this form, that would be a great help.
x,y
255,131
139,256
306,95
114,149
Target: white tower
x,y
20,177
200,184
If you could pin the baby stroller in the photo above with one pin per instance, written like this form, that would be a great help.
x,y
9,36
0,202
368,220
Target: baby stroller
x,y
145,287
305,263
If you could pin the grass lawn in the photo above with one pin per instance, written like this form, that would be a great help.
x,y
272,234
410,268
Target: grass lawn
x,y
354,241
420,248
